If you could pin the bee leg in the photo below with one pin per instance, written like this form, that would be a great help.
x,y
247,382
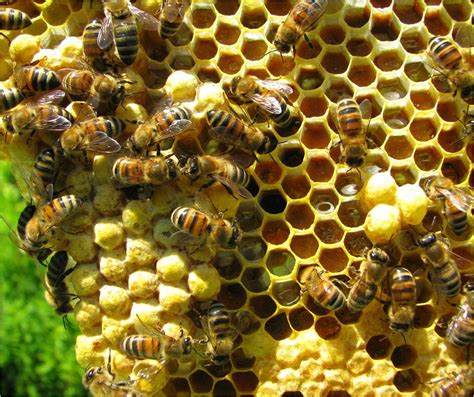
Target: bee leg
x,y
66,323
6,38
306,38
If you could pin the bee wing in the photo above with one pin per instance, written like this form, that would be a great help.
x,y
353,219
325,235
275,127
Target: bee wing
x,y
266,102
54,123
164,102
106,33
176,128
465,36
333,114
54,97
308,16
234,187
100,142
366,109
276,85
174,11
458,197
146,21
462,263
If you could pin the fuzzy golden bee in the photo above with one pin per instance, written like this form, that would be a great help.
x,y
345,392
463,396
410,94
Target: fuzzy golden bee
x,y
229,129
353,135
199,225
100,382
461,329
212,168
302,18
364,290
172,17
268,95
323,291
456,201
403,294
120,27
152,171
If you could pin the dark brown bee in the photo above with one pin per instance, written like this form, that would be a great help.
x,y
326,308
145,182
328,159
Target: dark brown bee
x,y
352,132
302,18
229,129
121,28
403,292
153,171
172,16
268,95
211,168
323,291
199,225
447,56
364,290
96,135
461,329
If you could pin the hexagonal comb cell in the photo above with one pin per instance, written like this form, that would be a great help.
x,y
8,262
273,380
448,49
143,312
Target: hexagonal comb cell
x,y
454,169
227,264
398,147
301,319
268,171
256,279
422,100
249,216
320,169
328,231
357,17
296,186
253,50
313,106
403,175
407,380
335,62
278,7
328,328
230,63
253,18
409,13
385,28
309,79
205,48
278,327
227,7
413,42
201,382
263,306
304,246
359,47
333,260
224,388
356,243
424,316
392,90
427,158
275,232
227,34
246,382
291,156
315,136
332,34
362,75
287,293
324,201
404,356
458,11
396,118
348,184
299,216
203,18
278,66
280,262
232,296
378,347
252,248
389,60
272,201
436,23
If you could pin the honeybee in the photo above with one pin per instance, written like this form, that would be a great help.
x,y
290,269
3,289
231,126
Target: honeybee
x,y
47,217
198,224
10,97
403,293
96,135
448,58
101,384
28,119
36,78
353,135
456,201
459,384
172,16
220,332
233,177
11,19
323,291
95,55
302,18
364,290
45,167
444,273
268,95
229,129
164,123
461,328
153,171
121,28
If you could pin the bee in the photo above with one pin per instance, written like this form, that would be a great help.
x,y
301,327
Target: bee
x,y
233,177
353,135
444,273
302,18
164,123
461,328
100,382
323,291
218,327
153,171
460,383
403,293
95,55
56,287
231,130
97,135
171,17
36,78
456,201
47,217
45,166
448,58
374,270
28,119
121,28
11,19
198,224
268,95
10,97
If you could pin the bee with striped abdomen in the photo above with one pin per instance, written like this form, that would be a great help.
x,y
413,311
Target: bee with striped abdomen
x,y
373,273
444,273
456,201
448,58
10,97
212,168
95,135
268,95
96,56
302,18
45,167
121,28
348,116
457,384
403,294
172,16
100,382
323,291
11,19
152,171
461,329
229,129
34,78
200,225
165,122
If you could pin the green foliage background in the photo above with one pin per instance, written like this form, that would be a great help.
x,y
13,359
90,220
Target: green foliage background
x,y
36,352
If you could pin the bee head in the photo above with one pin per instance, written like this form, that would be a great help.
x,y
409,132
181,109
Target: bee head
x,y
268,145
236,235
192,168
355,161
90,375
378,255
281,46
427,240
234,85
187,345
172,169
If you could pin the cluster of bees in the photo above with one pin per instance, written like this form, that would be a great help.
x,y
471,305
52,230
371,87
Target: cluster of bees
x,y
94,129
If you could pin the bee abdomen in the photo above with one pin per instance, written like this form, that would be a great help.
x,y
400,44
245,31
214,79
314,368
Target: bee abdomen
x,y
9,98
24,218
282,120
45,165
41,79
11,19
360,296
461,331
169,29
56,268
141,346
126,42
190,221
445,53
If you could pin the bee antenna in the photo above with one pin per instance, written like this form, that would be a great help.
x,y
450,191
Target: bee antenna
x,y
269,52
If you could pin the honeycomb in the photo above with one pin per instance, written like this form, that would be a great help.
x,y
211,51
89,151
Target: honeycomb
x,y
303,212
